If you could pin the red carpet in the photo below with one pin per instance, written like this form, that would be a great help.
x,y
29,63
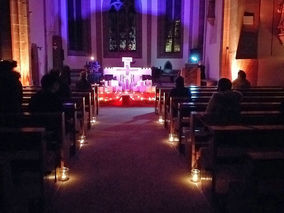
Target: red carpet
x,y
128,166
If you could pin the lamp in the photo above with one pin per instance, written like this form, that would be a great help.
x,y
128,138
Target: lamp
x,y
194,56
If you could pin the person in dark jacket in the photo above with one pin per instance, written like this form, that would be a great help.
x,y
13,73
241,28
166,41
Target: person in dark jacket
x,y
180,90
224,106
179,94
241,82
83,83
11,92
64,91
47,100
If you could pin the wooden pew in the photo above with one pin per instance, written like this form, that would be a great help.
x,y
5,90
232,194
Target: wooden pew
x,y
248,96
199,134
22,153
185,110
72,125
54,124
76,95
80,111
230,144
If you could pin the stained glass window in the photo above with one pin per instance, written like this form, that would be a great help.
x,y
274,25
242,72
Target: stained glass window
x,y
173,26
170,29
122,26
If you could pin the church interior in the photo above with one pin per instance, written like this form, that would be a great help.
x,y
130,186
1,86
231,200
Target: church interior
x,y
141,106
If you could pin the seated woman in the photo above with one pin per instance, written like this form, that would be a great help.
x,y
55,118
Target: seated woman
x,y
179,93
83,83
47,100
241,82
223,109
224,106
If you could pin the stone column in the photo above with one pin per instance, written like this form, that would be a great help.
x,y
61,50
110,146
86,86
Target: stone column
x,y
20,38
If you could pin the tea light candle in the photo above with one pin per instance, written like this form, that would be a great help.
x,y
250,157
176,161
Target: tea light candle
x,y
161,120
63,174
195,175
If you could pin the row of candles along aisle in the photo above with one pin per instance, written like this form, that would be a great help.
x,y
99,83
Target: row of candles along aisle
x,y
195,174
63,172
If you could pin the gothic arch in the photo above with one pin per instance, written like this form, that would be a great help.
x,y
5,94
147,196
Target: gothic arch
x,y
113,45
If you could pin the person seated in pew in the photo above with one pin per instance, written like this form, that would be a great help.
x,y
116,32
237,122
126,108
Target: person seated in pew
x,y
83,83
224,106
64,91
180,91
47,100
11,91
241,82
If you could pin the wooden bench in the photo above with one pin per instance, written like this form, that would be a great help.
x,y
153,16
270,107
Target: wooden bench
x,y
185,110
230,144
199,134
208,91
80,106
22,156
248,96
54,124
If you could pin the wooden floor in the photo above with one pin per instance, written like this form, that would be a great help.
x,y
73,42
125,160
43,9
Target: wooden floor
x,y
128,166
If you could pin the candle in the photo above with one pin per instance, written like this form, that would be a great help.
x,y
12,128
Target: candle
x,y
195,175
63,174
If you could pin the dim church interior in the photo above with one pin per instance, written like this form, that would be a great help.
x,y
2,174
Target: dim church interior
x,y
127,144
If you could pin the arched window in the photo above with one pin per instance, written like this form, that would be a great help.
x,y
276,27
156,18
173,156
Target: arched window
x,y
78,27
170,28
122,23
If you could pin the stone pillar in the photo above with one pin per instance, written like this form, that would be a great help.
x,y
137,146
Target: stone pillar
x,y
20,38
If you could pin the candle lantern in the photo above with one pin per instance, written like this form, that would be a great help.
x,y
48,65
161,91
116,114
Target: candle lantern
x,y
93,121
161,120
63,174
195,175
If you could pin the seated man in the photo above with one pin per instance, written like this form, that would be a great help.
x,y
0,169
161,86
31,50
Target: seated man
x,y
46,99
83,83
241,82
224,106
179,92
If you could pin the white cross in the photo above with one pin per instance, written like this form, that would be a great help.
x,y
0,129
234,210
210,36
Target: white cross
x,y
127,74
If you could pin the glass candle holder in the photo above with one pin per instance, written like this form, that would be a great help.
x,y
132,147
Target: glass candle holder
x,y
195,175
63,174
161,120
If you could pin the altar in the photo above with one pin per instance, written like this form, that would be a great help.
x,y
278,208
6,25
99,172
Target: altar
x,y
128,78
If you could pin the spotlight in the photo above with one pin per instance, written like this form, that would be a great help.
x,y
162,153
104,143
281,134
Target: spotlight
x,y
194,56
